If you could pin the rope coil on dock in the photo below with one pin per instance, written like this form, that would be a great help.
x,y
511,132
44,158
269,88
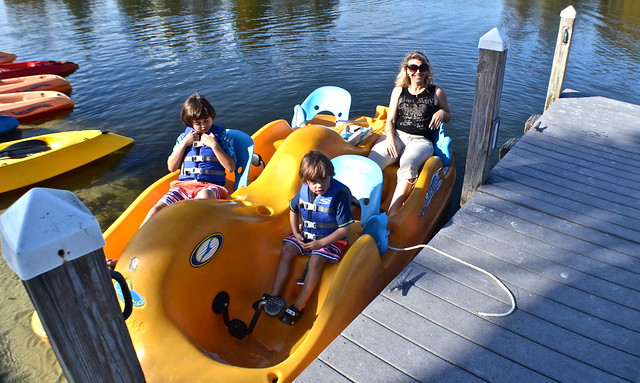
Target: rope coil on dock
x,y
504,287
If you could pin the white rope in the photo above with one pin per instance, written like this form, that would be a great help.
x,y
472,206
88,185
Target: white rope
x,y
513,300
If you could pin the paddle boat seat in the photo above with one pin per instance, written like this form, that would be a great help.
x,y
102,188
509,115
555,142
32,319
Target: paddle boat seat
x,y
442,147
364,179
326,98
243,148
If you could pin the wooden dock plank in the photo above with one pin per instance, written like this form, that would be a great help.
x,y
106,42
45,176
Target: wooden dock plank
x,y
551,184
523,328
523,242
557,222
609,178
471,294
400,351
358,364
319,368
520,163
506,251
603,158
557,206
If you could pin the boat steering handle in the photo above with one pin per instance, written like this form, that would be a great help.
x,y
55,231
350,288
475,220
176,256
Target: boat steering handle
x,y
126,294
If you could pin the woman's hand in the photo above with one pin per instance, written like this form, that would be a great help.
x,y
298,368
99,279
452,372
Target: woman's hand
x,y
392,150
437,119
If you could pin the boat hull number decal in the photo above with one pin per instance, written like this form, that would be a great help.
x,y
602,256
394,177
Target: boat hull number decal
x,y
436,182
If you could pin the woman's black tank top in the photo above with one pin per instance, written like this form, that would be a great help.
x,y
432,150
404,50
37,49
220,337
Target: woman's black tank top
x,y
415,112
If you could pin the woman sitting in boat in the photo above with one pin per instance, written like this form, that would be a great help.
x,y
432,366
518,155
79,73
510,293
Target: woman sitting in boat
x,y
202,153
324,205
416,110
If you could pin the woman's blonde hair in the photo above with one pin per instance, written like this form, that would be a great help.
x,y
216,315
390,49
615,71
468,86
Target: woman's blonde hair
x,y
315,166
403,79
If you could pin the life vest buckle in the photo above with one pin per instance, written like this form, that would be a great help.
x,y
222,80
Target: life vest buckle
x,y
310,224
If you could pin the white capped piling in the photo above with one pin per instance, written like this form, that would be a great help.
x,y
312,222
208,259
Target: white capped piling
x,y
54,244
561,55
485,120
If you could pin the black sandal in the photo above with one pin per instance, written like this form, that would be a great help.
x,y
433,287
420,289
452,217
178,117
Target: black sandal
x,y
291,315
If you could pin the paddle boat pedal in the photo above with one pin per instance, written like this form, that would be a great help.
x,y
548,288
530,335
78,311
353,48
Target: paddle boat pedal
x,y
273,306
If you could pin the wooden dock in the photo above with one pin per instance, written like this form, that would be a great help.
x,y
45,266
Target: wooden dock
x,y
557,222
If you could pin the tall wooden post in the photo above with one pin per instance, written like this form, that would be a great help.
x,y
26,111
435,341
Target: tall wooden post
x,y
561,56
485,122
54,244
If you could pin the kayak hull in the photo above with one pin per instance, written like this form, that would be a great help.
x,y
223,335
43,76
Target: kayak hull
x,y
68,150
41,82
30,68
7,57
28,104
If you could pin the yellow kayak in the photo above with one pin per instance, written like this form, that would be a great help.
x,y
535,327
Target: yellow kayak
x,y
197,267
30,160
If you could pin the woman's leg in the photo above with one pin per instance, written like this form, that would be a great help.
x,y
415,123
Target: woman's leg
x,y
379,152
416,152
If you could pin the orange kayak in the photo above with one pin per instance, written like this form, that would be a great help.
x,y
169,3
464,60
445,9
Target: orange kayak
x,y
27,104
35,83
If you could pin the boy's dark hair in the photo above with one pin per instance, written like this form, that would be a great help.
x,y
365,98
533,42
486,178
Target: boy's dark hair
x,y
196,107
315,166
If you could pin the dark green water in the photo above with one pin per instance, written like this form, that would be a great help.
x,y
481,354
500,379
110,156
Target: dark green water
x,y
256,59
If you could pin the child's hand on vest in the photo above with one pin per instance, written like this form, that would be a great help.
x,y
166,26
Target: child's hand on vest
x,y
191,137
209,140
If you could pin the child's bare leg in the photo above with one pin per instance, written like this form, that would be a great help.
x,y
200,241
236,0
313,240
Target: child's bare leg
x,y
400,194
156,208
316,264
204,194
287,253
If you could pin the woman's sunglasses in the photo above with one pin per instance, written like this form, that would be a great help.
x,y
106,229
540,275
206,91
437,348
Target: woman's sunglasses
x,y
414,68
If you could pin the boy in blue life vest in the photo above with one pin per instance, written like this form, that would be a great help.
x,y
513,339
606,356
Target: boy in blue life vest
x,y
320,215
203,152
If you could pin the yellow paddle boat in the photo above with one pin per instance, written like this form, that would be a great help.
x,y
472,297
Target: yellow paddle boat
x,y
197,268
30,160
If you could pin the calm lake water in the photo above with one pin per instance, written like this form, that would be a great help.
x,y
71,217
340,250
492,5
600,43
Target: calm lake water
x,y
256,59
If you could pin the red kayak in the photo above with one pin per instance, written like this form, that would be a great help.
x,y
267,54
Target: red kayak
x,y
29,68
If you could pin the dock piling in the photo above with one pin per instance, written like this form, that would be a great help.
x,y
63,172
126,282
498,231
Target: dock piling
x,y
485,121
561,55
54,244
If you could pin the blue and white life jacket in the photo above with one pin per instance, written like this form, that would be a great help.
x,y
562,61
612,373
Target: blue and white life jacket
x,y
200,162
318,217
